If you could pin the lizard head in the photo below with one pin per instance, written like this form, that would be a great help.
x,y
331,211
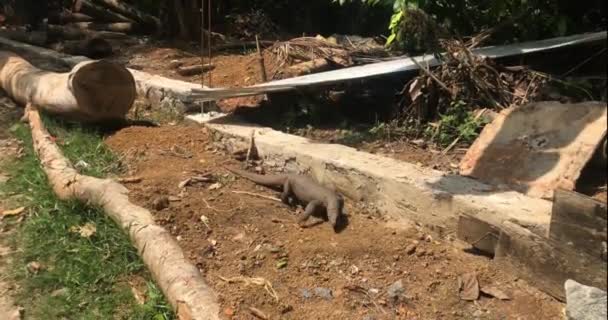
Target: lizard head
x,y
334,209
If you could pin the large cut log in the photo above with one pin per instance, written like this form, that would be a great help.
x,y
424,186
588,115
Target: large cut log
x,y
131,12
37,38
64,17
93,91
159,91
124,27
56,32
92,48
180,281
102,14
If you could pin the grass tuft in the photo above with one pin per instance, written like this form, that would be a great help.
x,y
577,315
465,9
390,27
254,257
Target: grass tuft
x,y
80,277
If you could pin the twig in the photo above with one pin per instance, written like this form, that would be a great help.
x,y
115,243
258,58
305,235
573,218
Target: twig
x,y
430,74
257,195
583,62
366,293
261,59
257,281
258,313
252,151
214,209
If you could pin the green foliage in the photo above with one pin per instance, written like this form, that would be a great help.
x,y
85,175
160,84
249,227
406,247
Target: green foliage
x,y
81,278
537,18
457,122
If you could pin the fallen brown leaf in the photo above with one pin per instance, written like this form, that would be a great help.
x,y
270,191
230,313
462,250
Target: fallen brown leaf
x,y
138,295
86,231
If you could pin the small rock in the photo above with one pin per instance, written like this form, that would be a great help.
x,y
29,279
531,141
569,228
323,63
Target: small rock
x,y
229,312
420,252
395,291
369,317
468,286
477,313
411,249
584,302
305,293
160,203
81,165
419,142
323,293
495,292
354,269
286,308
215,186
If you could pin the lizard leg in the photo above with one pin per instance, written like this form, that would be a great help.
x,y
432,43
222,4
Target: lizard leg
x,y
286,192
307,220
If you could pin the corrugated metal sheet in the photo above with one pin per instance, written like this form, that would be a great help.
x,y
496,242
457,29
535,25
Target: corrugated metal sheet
x,y
388,67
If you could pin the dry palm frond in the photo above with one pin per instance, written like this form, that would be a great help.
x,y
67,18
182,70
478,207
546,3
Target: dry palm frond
x,y
309,48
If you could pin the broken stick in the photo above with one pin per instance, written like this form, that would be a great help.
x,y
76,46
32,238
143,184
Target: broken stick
x,y
180,281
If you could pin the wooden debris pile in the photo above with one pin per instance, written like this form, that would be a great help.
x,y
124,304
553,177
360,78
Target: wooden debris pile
x,y
87,27
466,81
315,54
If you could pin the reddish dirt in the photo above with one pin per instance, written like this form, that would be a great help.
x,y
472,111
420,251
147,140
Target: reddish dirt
x,y
246,236
231,69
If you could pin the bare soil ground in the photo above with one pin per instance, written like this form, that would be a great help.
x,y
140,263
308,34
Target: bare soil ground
x,y
234,235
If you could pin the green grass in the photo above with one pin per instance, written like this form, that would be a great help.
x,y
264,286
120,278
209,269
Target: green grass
x,y
90,273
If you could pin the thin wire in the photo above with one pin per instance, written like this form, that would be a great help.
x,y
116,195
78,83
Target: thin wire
x,y
202,50
209,9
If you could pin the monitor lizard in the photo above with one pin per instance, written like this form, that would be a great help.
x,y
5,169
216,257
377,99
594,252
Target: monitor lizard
x,y
305,190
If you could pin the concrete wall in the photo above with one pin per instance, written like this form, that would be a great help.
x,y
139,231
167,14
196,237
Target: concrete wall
x,y
394,188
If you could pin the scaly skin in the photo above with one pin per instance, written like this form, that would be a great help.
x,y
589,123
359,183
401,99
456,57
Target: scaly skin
x,y
305,190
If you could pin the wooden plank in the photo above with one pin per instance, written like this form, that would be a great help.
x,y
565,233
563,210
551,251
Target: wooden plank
x,y
545,263
579,222
480,234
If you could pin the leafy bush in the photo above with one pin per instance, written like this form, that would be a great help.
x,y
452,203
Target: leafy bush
x,y
533,19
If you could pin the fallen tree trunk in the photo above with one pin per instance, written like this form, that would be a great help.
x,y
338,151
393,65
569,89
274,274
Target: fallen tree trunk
x,y
180,281
124,27
57,32
89,8
131,12
92,48
93,91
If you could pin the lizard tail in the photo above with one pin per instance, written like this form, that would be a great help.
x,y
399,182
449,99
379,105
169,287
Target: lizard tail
x,y
265,180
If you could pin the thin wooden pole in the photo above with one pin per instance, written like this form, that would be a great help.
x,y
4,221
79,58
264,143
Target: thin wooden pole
x,y
261,59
